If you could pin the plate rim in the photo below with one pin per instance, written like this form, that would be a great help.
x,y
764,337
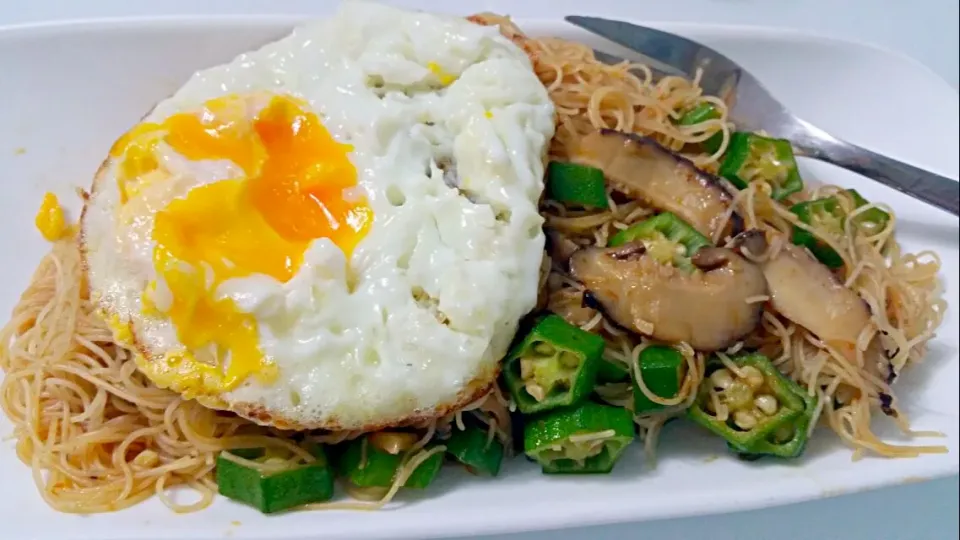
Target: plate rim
x,y
579,519
768,31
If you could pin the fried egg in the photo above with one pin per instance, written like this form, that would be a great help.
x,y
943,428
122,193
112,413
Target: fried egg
x,y
338,230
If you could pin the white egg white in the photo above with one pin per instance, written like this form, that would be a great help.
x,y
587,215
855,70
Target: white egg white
x,y
449,127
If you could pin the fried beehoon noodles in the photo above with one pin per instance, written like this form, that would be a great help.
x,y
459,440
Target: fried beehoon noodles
x,y
99,436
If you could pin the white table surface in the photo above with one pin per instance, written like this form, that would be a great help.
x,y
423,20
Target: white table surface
x,y
924,29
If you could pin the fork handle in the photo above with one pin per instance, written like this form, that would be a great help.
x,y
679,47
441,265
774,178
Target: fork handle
x,y
929,187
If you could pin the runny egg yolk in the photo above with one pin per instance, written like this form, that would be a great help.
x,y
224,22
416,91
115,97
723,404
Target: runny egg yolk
x,y
50,220
295,189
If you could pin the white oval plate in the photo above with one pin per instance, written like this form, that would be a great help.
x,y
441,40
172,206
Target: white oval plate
x,y
68,90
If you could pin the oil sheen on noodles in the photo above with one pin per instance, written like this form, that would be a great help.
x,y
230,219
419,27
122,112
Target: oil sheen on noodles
x,y
99,437
902,289
97,434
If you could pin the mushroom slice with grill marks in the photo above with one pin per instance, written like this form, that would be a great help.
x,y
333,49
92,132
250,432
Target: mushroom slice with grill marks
x,y
808,293
707,308
641,168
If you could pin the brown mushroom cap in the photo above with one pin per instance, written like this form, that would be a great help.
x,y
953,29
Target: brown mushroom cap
x,y
642,169
808,293
707,308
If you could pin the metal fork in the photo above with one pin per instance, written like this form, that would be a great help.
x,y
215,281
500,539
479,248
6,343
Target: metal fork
x,y
753,108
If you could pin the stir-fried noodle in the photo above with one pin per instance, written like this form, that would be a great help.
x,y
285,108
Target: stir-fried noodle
x,y
100,437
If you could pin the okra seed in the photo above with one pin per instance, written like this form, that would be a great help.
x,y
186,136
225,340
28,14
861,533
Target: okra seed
x,y
784,434
544,349
526,368
767,404
744,419
535,390
738,396
569,360
393,442
752,376
711,408
721,379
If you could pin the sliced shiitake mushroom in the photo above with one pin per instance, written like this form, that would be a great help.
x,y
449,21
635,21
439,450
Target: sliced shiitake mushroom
x,y
807,292
641,168
560,247
707,308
